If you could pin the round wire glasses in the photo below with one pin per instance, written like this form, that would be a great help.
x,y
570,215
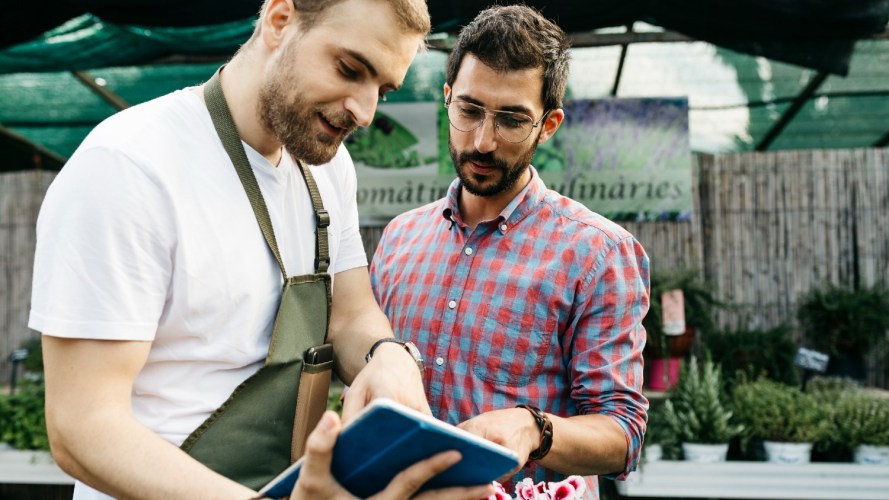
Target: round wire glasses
x,y
512,126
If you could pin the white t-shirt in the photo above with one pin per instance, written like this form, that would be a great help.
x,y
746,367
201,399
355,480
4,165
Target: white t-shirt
x,y
147,234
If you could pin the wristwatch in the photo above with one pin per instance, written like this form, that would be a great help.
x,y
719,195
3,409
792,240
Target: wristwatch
x,y
408,346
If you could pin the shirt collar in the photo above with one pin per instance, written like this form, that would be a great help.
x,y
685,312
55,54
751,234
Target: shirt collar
x,y
518,207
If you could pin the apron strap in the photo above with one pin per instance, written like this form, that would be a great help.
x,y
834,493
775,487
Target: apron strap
x,y
231,141
322,220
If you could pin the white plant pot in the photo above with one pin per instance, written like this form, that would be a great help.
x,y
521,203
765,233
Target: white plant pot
x,y
653,452
704,453
871,455
788,453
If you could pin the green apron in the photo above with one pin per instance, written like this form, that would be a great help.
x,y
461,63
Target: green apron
x,y
248,438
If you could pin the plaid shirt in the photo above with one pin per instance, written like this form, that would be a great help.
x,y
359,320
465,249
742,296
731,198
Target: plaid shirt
x,y
542,305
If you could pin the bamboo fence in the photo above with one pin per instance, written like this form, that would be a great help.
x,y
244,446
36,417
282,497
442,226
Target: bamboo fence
x,y
20,196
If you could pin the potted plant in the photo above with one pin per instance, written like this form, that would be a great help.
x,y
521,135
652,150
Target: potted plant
x,y
697,413
827,390
861,423
787,420
845,323
660,441
664,351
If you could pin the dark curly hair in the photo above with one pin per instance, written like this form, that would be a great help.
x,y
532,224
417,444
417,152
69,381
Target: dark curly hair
x,y
515,37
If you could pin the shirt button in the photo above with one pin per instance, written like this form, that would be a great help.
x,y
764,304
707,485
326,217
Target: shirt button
x,y
468,251
503,228
452,304
439,361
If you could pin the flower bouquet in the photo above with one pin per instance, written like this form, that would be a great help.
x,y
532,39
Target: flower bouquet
x,y
571,488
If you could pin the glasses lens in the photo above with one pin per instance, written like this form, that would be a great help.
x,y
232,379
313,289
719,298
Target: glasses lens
x,y
465,117
514,127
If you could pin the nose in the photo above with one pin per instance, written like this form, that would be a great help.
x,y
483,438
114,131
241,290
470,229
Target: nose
x,y
362,106
485,136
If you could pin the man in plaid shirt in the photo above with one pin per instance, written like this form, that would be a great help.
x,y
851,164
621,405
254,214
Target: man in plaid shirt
x,y
515,294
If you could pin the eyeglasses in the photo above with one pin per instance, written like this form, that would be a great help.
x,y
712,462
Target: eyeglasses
x,y
510,125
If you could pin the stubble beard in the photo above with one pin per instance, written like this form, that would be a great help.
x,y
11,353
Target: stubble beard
x,y
509,173
291,118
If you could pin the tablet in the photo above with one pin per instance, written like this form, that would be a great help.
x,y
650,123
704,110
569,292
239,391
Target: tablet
x,y
387,437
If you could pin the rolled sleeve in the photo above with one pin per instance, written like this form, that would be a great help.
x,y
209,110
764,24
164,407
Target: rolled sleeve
x,y
606,340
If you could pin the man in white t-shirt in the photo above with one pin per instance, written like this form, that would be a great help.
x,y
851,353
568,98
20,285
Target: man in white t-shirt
x,y
154,288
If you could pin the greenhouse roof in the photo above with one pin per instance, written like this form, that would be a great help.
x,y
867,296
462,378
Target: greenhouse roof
x,y
831,91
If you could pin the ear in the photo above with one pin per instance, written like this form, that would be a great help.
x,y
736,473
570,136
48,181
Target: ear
x,y
276,17
447,91
551,124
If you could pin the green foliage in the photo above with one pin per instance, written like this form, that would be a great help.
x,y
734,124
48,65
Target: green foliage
x,y
334,401
658,432
827,390
773,411
22,420
755,353
860,418
841,320
386,143
696,412
700,304
34,361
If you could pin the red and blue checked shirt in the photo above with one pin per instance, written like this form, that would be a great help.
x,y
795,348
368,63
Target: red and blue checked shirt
x,y
542,305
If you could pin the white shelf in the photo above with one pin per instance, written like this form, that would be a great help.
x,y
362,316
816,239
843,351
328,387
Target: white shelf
x,y
758,480
30,467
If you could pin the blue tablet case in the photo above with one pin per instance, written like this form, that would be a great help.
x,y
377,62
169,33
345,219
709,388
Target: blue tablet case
x,y
387,437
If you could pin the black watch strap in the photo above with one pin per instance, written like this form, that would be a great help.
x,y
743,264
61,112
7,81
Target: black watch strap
x,y
407,345
546,432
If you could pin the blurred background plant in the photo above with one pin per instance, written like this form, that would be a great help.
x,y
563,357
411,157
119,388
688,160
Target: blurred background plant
x,y
22,420
700,305
845,323
22,417
752,353
860,418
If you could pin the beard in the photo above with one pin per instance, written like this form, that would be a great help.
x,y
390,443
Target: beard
x,y
490,185
291,118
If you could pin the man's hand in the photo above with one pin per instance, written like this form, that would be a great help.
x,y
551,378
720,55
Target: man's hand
x,y
356,323
514,428
316,482
391,373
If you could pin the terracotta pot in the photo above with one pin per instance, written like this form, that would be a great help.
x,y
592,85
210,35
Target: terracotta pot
x,y
680,345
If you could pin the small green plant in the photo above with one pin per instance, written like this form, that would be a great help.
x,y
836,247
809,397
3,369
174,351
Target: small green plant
x,y
697,412
773,411
755,353
22,419
860,418
842,320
